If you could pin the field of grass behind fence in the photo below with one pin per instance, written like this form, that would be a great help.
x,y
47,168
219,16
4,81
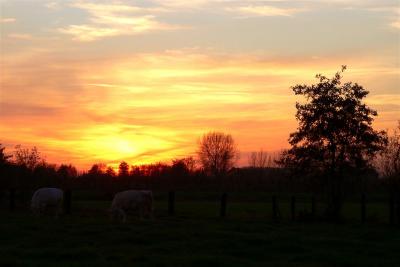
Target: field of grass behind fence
x,y
240,205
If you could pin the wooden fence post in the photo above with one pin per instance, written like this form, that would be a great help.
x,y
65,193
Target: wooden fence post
x,y
397,207
363,208
293,208
275,211
12,199
222,211
67,201
171,203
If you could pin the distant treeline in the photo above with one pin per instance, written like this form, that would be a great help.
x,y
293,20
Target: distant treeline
x,y
334,152
27,171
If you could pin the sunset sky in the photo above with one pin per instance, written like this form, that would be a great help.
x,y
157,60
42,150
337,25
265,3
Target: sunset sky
x,y
141,81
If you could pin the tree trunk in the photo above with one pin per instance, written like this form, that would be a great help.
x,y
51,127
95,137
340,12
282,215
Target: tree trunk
x,y
335,198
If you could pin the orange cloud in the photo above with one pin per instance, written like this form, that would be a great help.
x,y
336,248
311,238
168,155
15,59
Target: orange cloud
x,y
7,20
396,20
107,20
153,106
264,10
20,36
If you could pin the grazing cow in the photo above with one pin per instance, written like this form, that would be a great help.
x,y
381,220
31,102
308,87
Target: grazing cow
x,y
47,200
137,202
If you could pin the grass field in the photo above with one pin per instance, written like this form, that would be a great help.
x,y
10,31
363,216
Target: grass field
x,y
197,237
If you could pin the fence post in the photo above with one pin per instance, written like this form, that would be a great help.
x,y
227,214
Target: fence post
x,y
397,207
171,203
363,208
12,199
391,210
222,211
67,201
293,208
313,207
275,211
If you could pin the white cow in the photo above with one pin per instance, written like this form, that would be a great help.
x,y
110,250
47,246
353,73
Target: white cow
x,y
47,200
137,202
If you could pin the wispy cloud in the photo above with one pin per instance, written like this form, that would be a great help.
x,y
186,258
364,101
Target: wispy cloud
x,y
54,5
149,100
396,19
187,4
267,11
395,24
7,20
125,107
23,109
392,14
20,36
116,18
106,20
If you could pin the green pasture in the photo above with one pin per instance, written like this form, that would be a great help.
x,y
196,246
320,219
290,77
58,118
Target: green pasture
x,y
196,236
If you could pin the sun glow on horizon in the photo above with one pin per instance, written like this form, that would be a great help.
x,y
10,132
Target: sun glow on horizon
x,y
91,87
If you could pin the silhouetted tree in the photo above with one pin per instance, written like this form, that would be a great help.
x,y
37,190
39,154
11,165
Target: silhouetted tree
x,y
4,158
97,169
190,164
258,159
123,169
179,167
27,157
6,170
217,152
44,174
110,172
184,165
180,171
66,173
390,156
135,171
389,162
334,135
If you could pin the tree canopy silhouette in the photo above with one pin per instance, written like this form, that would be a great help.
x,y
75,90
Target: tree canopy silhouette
x,y
4,158
217,153
29,158
258,159
389,162
123,169
390,157
335,133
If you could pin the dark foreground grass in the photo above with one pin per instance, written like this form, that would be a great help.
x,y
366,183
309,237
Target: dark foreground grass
x,y
89,238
